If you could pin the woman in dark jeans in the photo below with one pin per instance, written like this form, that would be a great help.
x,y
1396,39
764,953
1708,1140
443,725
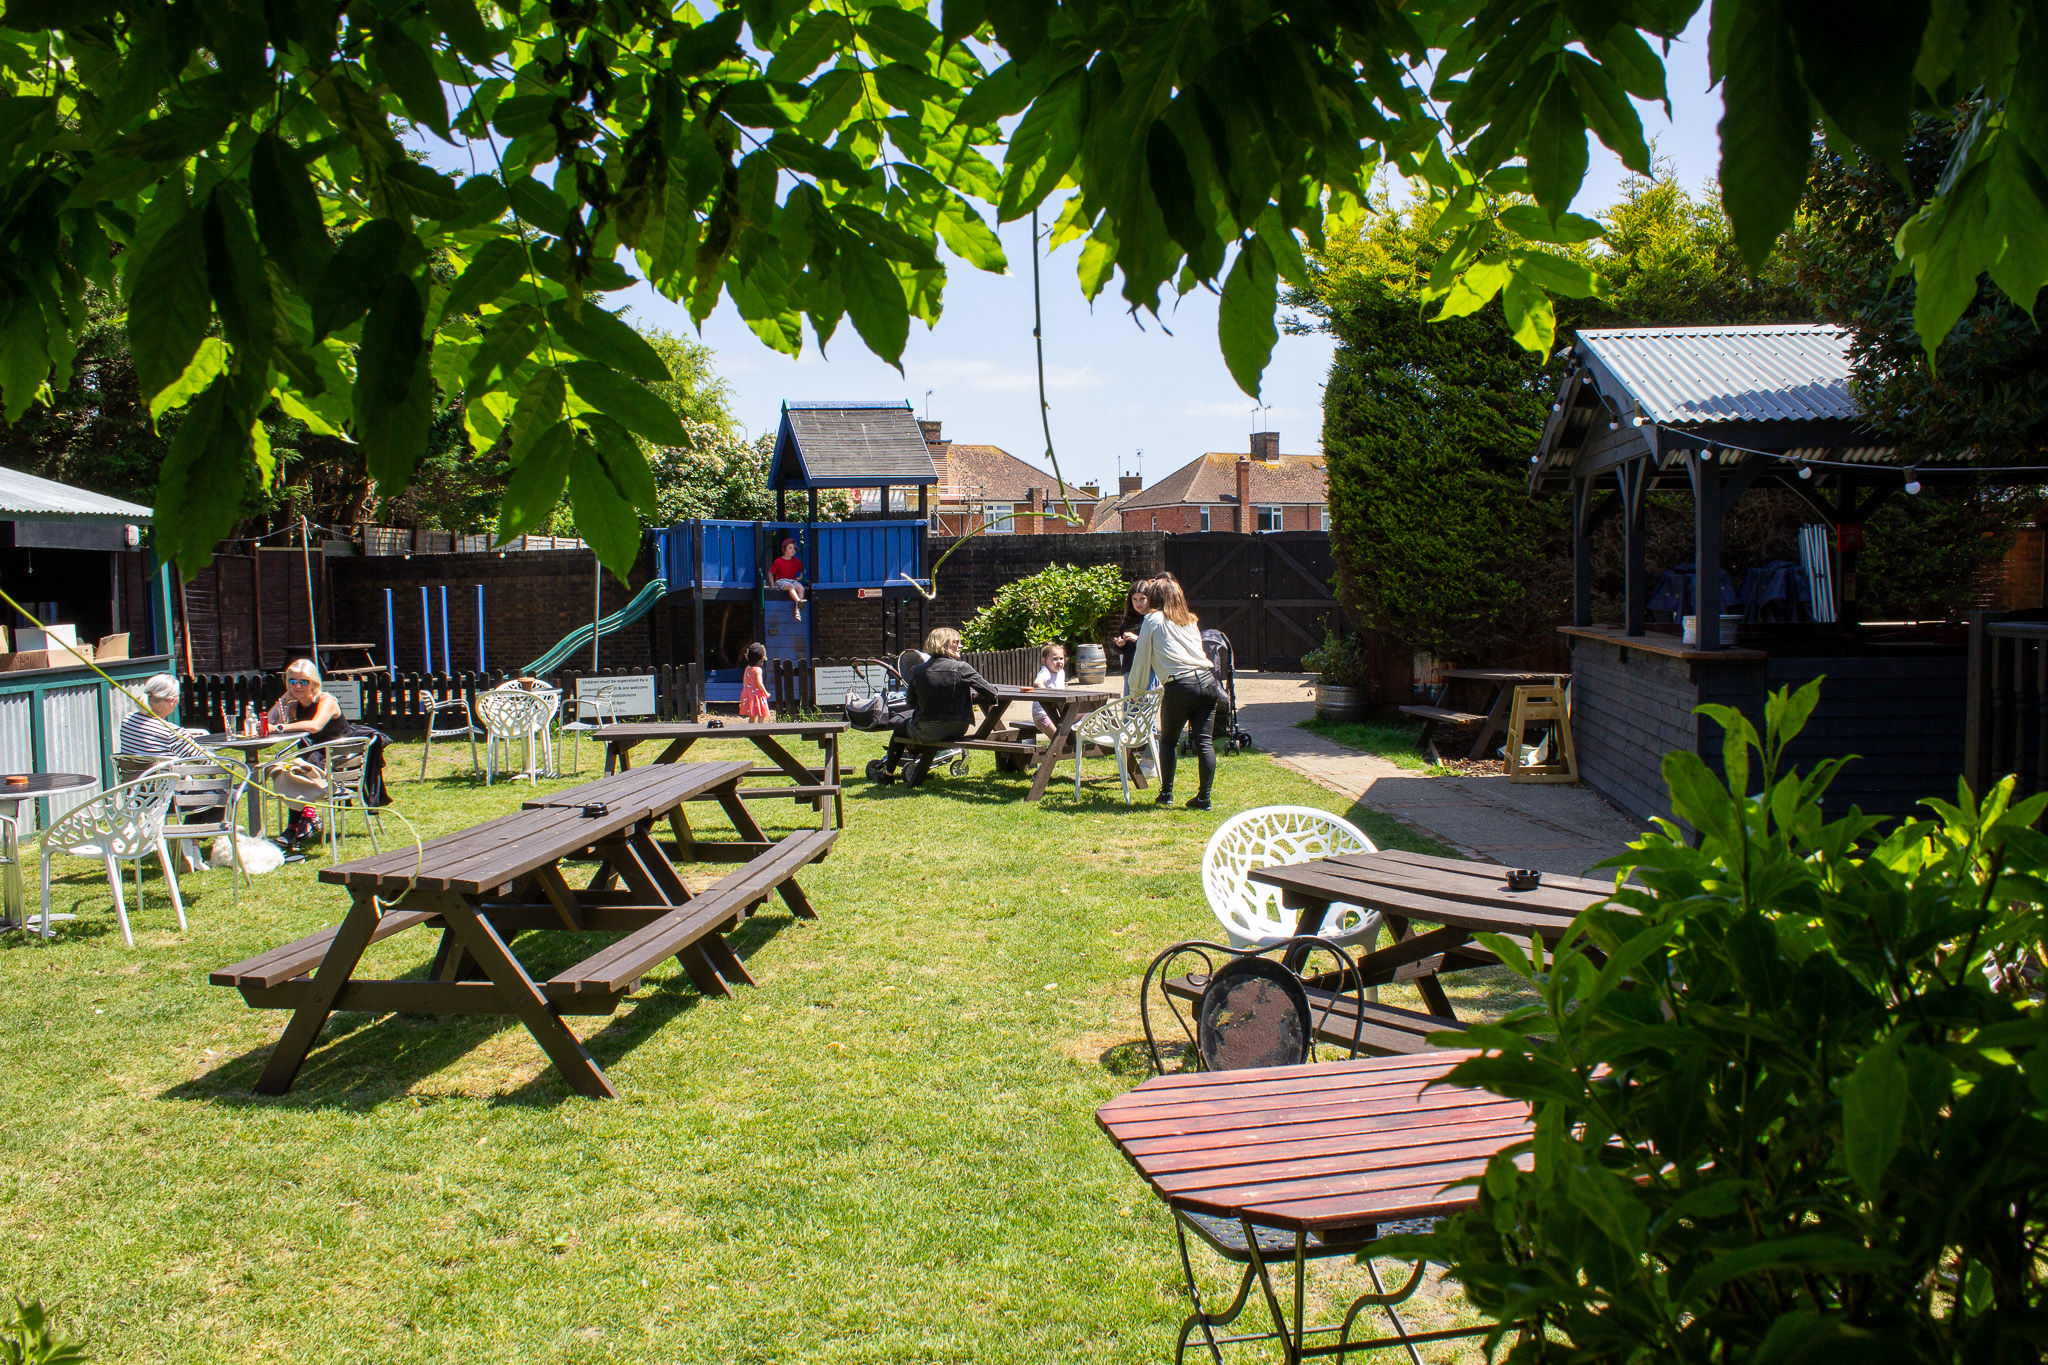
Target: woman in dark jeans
x,y
1169,647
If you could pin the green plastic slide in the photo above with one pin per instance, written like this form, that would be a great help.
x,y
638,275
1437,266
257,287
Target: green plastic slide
x,y
579,638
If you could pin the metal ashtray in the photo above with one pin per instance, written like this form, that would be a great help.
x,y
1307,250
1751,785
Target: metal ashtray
x,y
714,725
1524,879
595,809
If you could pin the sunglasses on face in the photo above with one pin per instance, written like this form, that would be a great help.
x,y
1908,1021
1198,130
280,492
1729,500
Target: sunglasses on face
x,y
298,682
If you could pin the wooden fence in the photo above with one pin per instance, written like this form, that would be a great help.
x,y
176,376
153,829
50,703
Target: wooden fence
x,y
400,704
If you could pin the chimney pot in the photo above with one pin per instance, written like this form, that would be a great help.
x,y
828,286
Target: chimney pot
x,y
930,430
1093,490
1265,445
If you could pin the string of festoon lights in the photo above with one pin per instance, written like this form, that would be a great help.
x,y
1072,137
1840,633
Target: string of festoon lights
x,y
1710,447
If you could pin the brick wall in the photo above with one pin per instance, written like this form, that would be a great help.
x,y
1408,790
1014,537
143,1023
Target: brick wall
x,y
1186,518
969,580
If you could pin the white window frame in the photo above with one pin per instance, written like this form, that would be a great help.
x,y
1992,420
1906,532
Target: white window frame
x,y
999,518
1326,516
1205,518
1279,515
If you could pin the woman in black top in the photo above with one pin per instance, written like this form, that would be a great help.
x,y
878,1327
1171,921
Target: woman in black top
x,y
943,693
306,708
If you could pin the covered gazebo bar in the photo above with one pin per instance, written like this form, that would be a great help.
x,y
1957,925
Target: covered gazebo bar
x,y
1711,413
84,560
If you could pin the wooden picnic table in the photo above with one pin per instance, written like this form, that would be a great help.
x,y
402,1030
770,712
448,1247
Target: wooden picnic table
x,y
1066,705
486,884
816,785
1492,722
329,650
1287,1164
1465,898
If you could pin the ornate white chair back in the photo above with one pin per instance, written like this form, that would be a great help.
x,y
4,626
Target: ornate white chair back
x,y
1275,836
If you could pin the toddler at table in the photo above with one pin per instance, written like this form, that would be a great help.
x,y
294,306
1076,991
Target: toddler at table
x,y
1052,672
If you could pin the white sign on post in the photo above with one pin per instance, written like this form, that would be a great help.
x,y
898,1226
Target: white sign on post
x,y
347,694
631,695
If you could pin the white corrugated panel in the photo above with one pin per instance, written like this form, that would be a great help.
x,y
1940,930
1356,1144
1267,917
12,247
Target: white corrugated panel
x,y
1796,372
17,745
72,741
25,495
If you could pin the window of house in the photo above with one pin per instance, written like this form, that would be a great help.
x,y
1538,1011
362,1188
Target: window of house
x,y
1205,518
1269,516
1326,516
999,516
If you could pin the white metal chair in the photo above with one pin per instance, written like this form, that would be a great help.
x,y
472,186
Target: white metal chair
x,y
603,711
122,825
345,761
207,784
1126,725
1276,836
456,707
511,714
10,872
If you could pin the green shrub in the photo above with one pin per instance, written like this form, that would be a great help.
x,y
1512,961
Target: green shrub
x,y
1791,1100
1339,660
27,1339
1062,603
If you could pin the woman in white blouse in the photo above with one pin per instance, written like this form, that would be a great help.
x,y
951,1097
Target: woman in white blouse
x,y
1170,648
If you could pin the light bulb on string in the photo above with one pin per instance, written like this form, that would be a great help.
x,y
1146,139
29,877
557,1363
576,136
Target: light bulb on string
x,y
1912,482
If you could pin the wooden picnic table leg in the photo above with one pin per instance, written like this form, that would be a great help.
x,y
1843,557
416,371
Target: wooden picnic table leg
x,y
1070,716
618,756
677,749
657,864
830,744
793,896
318,1002
686,839
742,819
784,759
1308,922
1496,721
524,999
1427,985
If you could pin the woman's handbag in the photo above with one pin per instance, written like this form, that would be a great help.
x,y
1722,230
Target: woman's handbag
x,y
298,780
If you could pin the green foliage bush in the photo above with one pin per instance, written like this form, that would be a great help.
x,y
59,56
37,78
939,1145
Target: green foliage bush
x,y
1790,1093
27,1338
1339,660
1062,603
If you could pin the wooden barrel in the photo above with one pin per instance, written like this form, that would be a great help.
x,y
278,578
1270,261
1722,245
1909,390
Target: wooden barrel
x,y
1089,664
1339,703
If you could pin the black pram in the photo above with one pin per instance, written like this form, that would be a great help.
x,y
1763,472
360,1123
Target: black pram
x,y
1228,734
881,700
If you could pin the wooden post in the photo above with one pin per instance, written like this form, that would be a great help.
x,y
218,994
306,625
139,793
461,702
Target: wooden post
x,y
1582,552
1706,549
923,502
1635,575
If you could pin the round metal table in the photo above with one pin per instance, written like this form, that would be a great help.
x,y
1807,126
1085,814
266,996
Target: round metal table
x,y
251,748
16,788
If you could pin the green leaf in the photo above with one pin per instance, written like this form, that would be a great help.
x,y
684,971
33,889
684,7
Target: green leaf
x,y
1533,224
498,265
288,216
168,304
1556,150
814,40
367,258
404,65
1244,322
1558,274
24,355
394,395
1474,287
874,298
1042,147
207,363
1810,1251
239,284
625,462
2018,194
1530,315
1766,133
1874,1099
1608,112
535,488
1857,60
422,192
205,476
1624,55
465,28
969,238
637,409
599,335
604,512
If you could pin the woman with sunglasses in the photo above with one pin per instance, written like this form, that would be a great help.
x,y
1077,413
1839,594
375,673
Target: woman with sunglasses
x,y
310,710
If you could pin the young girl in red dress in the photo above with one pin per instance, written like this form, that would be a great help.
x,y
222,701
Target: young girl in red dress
x,y
753,687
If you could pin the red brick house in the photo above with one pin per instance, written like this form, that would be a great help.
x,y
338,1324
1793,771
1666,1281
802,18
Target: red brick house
x,y
1223,491
988,486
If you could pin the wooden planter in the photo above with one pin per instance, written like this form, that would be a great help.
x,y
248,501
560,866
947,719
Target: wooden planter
x,y
1339,703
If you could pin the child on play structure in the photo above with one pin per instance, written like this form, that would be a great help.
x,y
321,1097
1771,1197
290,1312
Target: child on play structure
x,y
753,687
787,573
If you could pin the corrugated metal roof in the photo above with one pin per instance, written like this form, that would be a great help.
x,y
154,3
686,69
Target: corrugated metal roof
x,y
1779,373
25,497
850,445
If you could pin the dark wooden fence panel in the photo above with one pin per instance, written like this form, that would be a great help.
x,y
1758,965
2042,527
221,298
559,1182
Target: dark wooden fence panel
x,y
2006,730
1269,592
399,705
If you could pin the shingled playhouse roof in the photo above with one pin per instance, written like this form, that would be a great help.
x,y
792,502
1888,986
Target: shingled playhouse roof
x,y
850,445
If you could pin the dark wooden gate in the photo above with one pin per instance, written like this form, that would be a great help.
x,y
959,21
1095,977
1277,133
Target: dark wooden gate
x,y
1269,592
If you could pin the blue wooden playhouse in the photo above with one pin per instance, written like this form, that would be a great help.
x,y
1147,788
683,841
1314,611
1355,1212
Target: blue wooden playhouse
x,y
877,448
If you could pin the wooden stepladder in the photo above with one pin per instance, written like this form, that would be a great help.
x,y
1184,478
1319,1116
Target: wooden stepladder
x,y
1535,705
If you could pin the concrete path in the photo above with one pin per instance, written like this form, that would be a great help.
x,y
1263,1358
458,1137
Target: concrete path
x,y
1562,829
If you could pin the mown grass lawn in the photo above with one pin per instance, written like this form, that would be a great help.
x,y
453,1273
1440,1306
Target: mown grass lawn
x,y
886,1152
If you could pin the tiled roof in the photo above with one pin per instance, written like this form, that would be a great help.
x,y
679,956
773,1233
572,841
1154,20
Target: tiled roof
x,y
850,445
1786,372
30,498
1106,519
1212,478
992,474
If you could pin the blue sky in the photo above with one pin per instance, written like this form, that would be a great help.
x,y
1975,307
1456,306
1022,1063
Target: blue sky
x,y
1116,387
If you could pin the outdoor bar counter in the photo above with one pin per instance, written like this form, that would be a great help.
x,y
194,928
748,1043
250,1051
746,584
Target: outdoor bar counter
x,y
1896,696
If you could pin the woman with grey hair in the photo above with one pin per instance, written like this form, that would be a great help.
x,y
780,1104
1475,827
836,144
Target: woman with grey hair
x,y
149,733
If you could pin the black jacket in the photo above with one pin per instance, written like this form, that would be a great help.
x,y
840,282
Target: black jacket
x,y
945,689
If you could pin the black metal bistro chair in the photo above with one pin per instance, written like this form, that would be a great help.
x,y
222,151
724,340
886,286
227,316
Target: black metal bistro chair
x,y
1240,1008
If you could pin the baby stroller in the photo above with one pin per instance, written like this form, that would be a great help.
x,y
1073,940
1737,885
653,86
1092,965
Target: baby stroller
x,y
1228,733
879,697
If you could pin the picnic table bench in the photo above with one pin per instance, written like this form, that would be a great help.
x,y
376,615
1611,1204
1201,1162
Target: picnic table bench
x,y
1488,725
815,785
484,885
